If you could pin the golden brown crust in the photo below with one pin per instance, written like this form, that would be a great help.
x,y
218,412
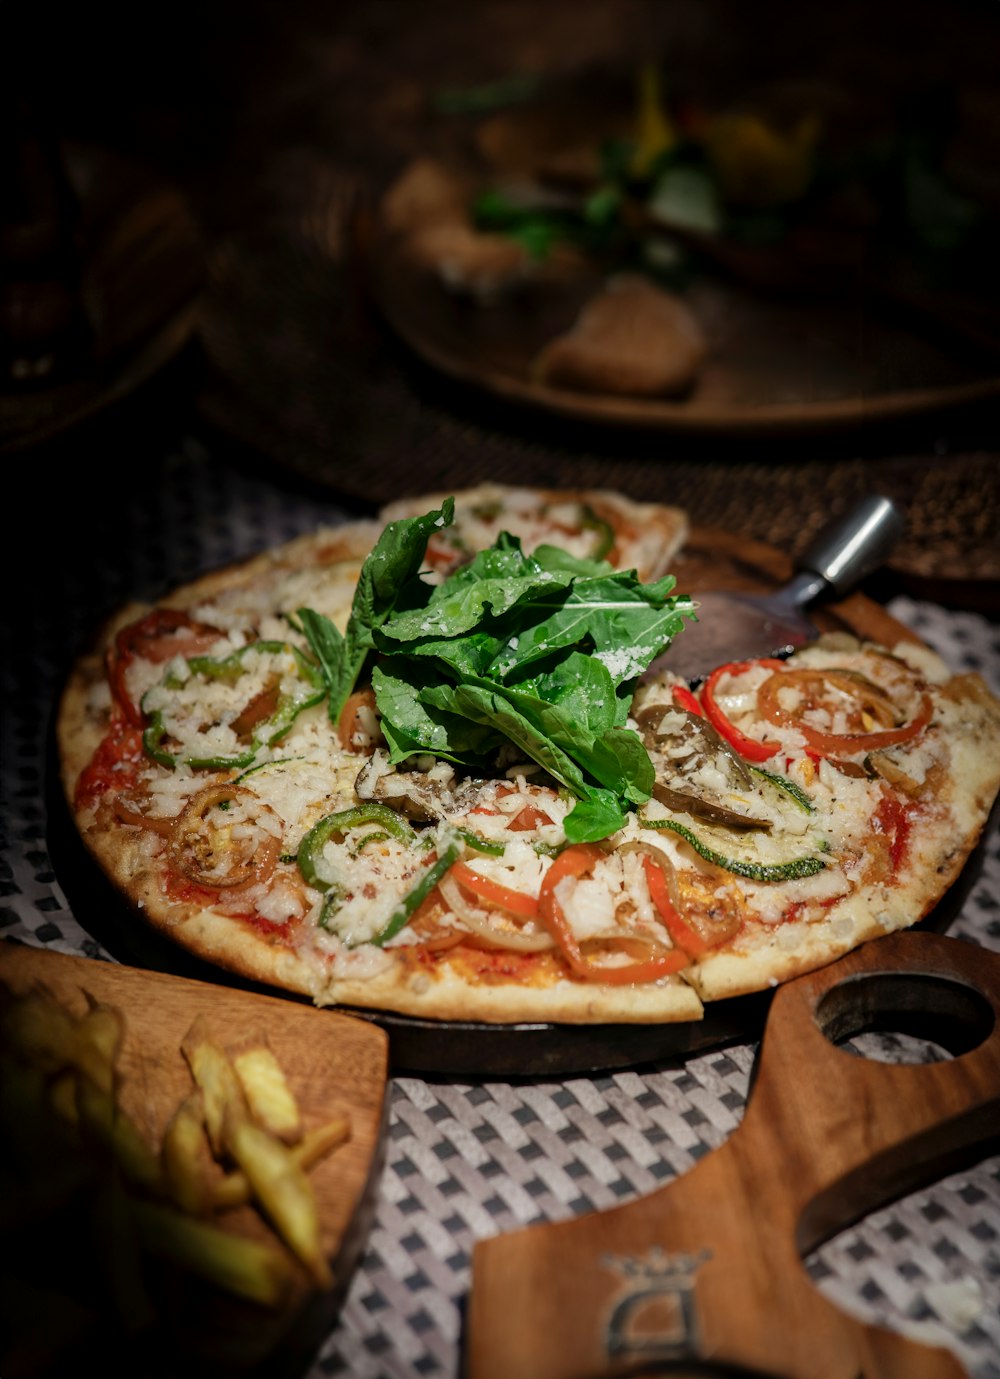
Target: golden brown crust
x,y
449,996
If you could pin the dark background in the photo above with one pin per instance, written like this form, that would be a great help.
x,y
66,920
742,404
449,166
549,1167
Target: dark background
x,y
265,117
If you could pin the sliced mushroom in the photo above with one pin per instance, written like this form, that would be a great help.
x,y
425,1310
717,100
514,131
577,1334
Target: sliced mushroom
x,y
420,798
680,744
423,796
882,764
668,723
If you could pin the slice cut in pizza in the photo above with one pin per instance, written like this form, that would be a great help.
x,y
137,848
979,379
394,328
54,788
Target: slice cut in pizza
x,y
425,765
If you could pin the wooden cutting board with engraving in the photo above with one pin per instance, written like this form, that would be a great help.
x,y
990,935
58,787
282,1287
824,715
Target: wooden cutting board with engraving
x,y
704,1277
334,1066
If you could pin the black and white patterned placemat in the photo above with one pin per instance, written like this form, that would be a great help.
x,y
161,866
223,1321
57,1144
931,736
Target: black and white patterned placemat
x,y
468,1159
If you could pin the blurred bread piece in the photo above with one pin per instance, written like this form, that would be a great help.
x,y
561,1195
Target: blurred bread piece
x,y
632,338
425,193
427,212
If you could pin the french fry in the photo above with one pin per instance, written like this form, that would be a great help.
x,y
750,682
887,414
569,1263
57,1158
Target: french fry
x,y
41,1030
317,1143
234,1189
107,1122
186,1157
237,1138
282,1189
268,1094
248,1268
104,1026
213,1072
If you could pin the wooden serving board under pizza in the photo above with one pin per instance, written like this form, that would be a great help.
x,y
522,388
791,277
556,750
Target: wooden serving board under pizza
x,y
413,769
109,1233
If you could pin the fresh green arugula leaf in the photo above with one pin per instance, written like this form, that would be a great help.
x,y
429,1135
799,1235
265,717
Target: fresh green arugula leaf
x,y
619,755
626,623
412,726
328,646
596,816
577,689
495,582
388,571
570,733
494,708
540,651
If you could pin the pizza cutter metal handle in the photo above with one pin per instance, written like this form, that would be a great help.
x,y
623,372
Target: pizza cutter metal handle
x,y
842,554
850,548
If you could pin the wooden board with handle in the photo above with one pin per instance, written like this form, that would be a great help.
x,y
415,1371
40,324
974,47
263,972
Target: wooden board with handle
x,y
709,1268
334,1066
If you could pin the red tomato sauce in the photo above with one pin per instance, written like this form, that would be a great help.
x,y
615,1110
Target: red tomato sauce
x,y
892,818
115,764
495,965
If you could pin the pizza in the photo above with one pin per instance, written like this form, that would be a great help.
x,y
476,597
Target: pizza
x,y
436,764
597,523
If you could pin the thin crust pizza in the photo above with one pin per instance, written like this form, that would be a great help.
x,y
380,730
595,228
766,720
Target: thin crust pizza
x,y
596,523
428,765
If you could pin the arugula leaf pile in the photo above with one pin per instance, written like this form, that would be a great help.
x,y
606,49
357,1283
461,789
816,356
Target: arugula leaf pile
x,y
542,651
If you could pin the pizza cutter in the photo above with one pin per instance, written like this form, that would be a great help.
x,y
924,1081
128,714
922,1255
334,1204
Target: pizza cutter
x,y
739,627
705,1275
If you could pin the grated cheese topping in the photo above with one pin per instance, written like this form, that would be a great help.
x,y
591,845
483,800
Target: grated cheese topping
x,y
364,876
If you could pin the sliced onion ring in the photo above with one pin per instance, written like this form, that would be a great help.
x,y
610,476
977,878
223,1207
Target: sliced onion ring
x,y
866,695
251,868
662,859
126,809
479,923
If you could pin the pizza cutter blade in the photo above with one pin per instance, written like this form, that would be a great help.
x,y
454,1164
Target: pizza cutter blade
x,y
740,627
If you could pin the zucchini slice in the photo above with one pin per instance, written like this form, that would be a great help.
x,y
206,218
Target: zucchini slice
x,y
739,853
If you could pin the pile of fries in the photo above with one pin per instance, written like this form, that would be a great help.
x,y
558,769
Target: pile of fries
x,y
236,1138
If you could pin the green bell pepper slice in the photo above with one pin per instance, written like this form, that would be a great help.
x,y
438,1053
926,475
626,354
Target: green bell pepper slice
x,y
313,842
273,728
391,825
412,901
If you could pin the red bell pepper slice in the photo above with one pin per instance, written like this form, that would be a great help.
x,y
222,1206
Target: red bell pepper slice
x,y
495,892
575,861
846,744
678,928
748,747
830,744
687,699
151,636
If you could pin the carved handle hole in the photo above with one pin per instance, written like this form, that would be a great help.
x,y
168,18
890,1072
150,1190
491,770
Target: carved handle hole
x,y
905,1017
681,1367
